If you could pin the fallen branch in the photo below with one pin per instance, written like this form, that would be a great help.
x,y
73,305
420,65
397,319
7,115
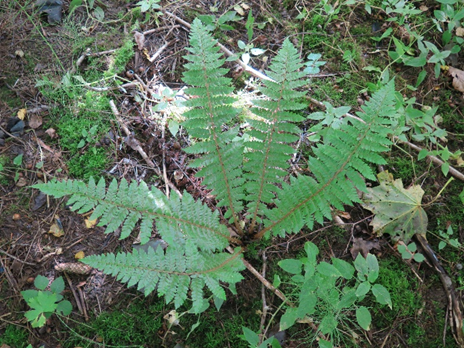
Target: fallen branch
x,y
454,172
455,318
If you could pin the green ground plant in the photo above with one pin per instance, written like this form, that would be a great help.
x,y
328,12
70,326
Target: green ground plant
x,y
246,176
45,303
14,336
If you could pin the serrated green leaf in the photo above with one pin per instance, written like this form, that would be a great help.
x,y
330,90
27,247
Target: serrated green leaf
x,y
344,268
328,324
419,257
251,337
64,308
325,344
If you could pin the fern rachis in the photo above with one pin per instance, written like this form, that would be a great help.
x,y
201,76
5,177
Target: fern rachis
x,y
243,175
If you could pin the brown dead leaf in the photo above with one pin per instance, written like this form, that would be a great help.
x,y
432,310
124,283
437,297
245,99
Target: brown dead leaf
x,y
79,255
21,182
423,8
21,114
458,78
35,121
90,223
363,246
460,162
139,40
51,133
56,230
460,31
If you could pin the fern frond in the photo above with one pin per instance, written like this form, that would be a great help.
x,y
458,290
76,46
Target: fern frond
x,y
273,130
182,222
173,272
211,110
337,167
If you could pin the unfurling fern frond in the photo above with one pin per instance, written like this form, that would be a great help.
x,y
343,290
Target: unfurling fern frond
x,y
338,166
182,222
211,105
173,272
273,130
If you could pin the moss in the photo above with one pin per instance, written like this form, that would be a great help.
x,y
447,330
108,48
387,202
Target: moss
x,y
14,336
137,323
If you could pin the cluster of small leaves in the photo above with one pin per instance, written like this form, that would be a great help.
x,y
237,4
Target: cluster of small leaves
x,y
43,302
409,252
447,240
324,293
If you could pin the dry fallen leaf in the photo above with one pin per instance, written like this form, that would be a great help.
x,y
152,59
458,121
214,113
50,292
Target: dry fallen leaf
x,y
21,182
139,39
79,255
51,133
458,78
90,223
56,230
73,267
460,31
35,121
172,317
21,114
19,53
363,246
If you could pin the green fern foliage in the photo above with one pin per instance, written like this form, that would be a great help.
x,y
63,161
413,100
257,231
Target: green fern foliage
x,y
183,222
173,272
211,109
337,167
248,179
273,130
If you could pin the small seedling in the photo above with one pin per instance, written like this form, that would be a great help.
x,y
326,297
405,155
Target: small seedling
x,y
45,302
410,252
313,64
447,240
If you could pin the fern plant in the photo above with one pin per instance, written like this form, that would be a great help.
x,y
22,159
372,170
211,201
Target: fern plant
x,y
249,179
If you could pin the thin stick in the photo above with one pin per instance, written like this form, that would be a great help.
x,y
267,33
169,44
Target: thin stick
x,y
15,258
224,49
160,29
454,172
139,149
78,302
263,297
160,50
266,283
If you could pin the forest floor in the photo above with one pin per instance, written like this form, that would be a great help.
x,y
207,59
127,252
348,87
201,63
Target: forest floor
x,y
57,83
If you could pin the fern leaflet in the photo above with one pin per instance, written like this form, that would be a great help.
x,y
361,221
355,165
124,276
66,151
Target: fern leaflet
x,y
212,108
338,167
268,153
182,222
173,272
